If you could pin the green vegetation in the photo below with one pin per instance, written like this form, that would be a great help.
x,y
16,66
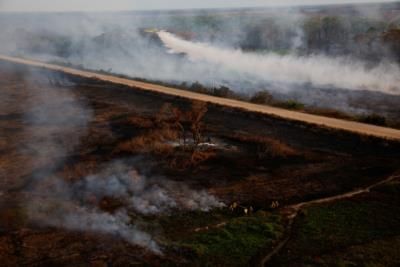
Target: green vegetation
x,y
220,237
359,233
378,253
262,97
237,242
188,221
346,223
292,104
374,119
391,189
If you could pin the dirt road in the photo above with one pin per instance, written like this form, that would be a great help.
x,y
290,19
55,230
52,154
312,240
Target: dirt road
x,y
356,127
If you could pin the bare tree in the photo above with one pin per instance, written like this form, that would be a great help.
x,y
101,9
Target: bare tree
x,y
195,116
177,121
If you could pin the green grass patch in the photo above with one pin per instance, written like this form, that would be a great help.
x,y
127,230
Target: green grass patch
x,y
374,119
336,228
392,189
292,105
236,243
378,253
346,223
180,225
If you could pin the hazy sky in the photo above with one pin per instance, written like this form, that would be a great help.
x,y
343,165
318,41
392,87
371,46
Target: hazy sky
x,y
111,5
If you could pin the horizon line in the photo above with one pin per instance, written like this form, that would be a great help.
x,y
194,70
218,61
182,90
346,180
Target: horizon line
x,y
271,6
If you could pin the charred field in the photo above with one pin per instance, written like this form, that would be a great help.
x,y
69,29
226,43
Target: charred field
x,y
98,174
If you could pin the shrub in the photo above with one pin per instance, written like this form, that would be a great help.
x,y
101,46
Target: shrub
x,y
262,97
199,88
327,112
223,91
292,104
374,119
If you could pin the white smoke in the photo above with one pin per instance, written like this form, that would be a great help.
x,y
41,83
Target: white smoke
x,y
318,70
55,121
75,205
80,218
297,40
144,195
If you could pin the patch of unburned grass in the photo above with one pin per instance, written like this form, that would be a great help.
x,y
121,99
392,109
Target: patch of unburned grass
x,y
378,253
346,223
189,221
392,189
292,105
235,243
355,224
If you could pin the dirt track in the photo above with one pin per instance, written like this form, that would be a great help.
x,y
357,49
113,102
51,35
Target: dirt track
x,y
356,127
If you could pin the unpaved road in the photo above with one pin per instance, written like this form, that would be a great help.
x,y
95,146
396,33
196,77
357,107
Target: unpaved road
x,y
355,127
292,211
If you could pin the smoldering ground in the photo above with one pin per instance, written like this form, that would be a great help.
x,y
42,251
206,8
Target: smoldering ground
x,y
55,120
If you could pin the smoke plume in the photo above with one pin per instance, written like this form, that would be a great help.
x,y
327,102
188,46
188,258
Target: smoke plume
x,y
75,205
319,71
143,194
329,57
55,121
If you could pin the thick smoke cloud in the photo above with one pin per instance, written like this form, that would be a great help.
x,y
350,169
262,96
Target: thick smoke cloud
x,y
55,121
321,60
74,206
117,43
144,195
319,71
104,5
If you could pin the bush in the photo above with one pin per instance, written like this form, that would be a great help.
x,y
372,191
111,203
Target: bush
x,y
262,97
374,119
292,104
223,91
199,88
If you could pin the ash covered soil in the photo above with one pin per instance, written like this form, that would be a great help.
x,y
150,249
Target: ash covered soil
x,y
97,174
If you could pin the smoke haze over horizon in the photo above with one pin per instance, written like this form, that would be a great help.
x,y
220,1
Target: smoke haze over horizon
x,y
330,60
125,5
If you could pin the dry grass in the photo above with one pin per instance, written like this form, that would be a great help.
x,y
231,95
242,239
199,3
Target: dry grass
x,y
267,147
170,124
154,141
141,122
190,159
79,170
